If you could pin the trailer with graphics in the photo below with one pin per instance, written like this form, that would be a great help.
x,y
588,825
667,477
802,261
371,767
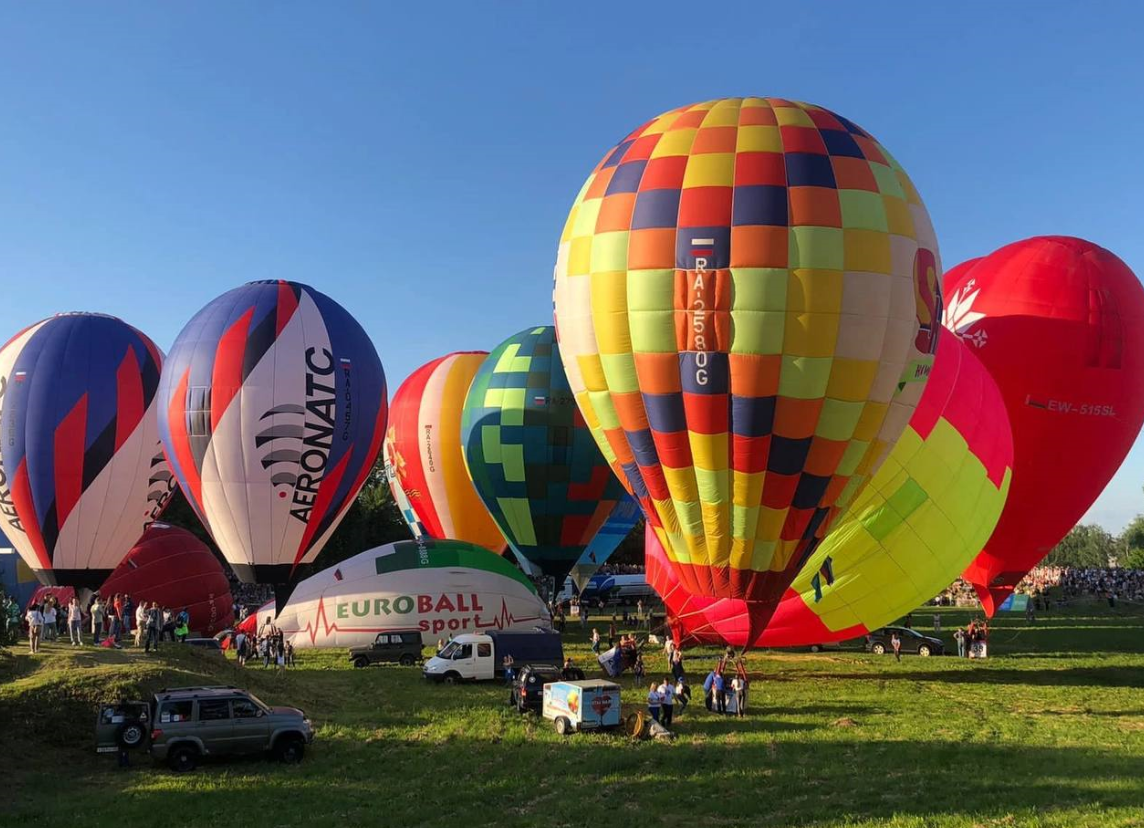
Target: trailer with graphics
x,y
582,705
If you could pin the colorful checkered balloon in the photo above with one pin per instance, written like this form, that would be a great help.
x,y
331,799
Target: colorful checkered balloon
x,y
746,298
531,456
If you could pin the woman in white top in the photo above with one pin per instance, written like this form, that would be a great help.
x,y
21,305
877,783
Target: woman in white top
x,y
140,622
35,628
75,622
49,613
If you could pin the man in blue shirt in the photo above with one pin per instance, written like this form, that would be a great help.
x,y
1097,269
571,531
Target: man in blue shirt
x,y
708,685
720,693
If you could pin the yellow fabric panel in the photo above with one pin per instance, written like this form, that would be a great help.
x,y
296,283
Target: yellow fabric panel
x,y
709,451
675,142
747,488
850,379
810,334
712,169
681,484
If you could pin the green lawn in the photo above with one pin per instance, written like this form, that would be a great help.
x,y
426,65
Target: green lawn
x,y
1048,731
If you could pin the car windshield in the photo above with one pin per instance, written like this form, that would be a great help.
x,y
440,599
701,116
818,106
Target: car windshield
x,y
258,701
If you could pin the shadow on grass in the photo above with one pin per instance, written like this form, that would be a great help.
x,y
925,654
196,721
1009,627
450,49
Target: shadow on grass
x,y
587,779
1069,677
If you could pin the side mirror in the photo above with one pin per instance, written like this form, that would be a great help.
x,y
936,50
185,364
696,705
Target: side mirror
x,y
260,713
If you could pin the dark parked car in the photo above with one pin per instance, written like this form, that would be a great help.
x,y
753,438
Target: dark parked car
x,y
403,647
878,642
527,692
212,645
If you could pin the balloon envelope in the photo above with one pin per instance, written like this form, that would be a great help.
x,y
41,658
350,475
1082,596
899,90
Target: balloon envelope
x,y
440,588
78,467
746,295
927,511
1059,324
614,531
272,412
424,457
173,568
531,457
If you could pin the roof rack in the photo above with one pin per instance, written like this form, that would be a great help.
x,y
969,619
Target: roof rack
x,y
190,689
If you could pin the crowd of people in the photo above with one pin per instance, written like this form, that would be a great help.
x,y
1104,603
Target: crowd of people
x,y
1049,586
620,569
268,644
108,621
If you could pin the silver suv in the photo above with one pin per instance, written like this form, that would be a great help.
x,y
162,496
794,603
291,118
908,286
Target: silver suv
x,y
189,723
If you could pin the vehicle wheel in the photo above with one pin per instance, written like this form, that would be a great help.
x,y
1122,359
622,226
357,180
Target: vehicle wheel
x,y
360,662
130,735
816,648
290,749
183,759
407,660
452,678
878,649
924,651
563,726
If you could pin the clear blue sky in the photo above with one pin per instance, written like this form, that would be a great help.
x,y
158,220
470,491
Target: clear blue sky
x,y
417,164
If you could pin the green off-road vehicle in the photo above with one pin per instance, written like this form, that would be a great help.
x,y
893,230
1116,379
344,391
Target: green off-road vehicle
x,y
185,724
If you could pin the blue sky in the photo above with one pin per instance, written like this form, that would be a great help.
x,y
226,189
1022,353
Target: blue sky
x,y
417,163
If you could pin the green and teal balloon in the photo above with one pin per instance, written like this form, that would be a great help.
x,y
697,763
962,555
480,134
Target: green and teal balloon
x,y
531,456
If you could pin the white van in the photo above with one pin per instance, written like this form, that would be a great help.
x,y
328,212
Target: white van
x,y
480,656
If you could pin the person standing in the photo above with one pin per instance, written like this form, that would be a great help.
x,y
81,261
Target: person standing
x,y
154,620
240,648
740,697
612,632
709,690
653,701
75,622
959,637
677,665
638,669
595,641
49,611
114,606
35,618
896,643
720,690
183,623
97,615
140,623
128,614
667,701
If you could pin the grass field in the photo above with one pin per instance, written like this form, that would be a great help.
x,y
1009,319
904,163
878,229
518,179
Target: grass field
x,y
1049,731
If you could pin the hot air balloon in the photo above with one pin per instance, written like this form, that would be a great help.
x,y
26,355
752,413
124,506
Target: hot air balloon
x,y
614,531
78,478
272,410
531,457
687,616
1059,324
171,566
747,300
928,510
424,456
442,588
